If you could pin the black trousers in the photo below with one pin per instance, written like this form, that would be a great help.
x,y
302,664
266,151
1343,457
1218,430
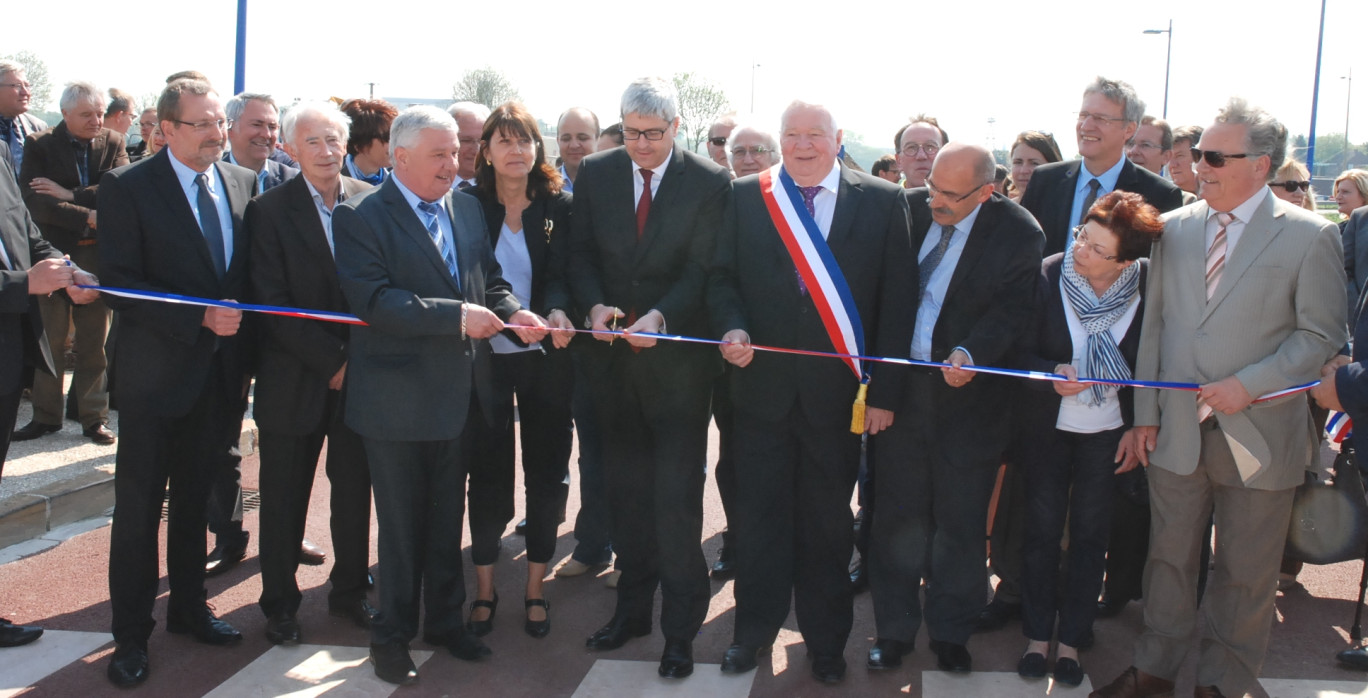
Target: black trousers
x,y
153,450
288,463
725,471
420,505
543,385
793,529
655,453
9,412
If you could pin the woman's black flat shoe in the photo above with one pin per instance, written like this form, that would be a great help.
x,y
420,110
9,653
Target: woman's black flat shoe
x,y
1032,666
480,628
1068,672
538,628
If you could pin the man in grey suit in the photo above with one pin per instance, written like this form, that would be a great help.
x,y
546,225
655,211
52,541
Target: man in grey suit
x,y
16,124
1246,297
415,263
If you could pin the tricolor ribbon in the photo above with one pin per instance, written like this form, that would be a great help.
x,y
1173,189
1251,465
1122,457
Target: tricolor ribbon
x,y
1339,427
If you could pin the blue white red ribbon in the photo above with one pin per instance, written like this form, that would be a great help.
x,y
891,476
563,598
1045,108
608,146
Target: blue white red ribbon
x,y
1339,427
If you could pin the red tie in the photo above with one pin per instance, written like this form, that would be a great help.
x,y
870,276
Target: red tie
x,y
643,208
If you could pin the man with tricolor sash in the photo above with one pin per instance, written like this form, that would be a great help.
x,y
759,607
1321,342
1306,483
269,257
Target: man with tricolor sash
x,y
812,256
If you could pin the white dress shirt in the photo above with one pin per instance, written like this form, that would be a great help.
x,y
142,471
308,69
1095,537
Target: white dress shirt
x,y
217,192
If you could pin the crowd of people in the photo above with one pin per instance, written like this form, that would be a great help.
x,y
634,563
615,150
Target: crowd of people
x,y
490,274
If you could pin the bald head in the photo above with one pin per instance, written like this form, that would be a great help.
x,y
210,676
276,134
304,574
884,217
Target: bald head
x,y
960,180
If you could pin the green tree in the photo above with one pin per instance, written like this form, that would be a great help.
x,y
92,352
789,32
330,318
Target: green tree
x,y
701,101
36,72
485,86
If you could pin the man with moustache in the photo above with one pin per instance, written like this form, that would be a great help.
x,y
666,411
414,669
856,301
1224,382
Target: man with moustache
x,y
917,144
470,117
792,415
173,224
302,375
577,133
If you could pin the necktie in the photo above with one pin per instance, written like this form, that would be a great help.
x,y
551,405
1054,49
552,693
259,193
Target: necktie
x,y
463,185
643,208
1093,187
430,213
1216,255
810,203
209,223
933,259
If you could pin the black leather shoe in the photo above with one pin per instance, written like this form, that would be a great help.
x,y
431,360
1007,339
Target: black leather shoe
x,y
995,615
12,635
887,654
725,567
828,668
311,554
225,556
617,633
952,657
521,528
99,433
201,624
128,665
359,611
480,628
859,581
1068,672
283,629
1108,608
33,430
463,644
1032,666
676,662
537,628
739,658
1356,658
393,663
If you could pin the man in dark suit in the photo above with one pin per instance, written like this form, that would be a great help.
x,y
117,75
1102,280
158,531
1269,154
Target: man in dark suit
x,y
184,369
792,415
60,180
978,257
253,131
1061,192
30,268
416,265
16,124
301,376
645,219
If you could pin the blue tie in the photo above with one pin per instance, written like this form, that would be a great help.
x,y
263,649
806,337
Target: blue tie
x,y
933,259
209,223
430,213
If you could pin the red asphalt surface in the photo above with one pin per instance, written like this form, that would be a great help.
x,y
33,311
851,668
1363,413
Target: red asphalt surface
x,y
65,588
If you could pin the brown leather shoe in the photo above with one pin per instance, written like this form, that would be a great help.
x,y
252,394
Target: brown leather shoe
x,y
1133,683
1207,692
100,433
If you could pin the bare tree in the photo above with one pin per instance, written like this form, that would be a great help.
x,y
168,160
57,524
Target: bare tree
x,y
701,101
485,86
36,72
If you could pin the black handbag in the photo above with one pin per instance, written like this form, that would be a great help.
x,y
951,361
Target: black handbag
x,y
1330,519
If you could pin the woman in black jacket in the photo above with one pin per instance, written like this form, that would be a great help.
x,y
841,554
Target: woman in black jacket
x,y
1088,324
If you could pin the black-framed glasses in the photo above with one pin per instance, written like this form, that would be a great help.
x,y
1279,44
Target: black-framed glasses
x,y
204,125
1081,240
1216,158
719,141
1100,119
650,134
911,149
754,151
1290,186
933,190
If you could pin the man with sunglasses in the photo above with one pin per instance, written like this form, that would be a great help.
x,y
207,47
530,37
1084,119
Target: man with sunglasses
x,y
1246,298
1062,192
717,139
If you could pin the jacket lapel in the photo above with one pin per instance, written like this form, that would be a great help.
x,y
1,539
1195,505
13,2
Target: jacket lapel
x,y
169,186
304,215
670,187
1064,204
848,195
980,236
407,221
1260,230
237,204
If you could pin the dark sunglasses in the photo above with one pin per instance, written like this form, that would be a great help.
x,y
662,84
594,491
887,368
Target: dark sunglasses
x,y
1216,158
719,141
1290,186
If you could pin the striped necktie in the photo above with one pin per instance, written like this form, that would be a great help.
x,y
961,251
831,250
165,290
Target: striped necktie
x,y
430,212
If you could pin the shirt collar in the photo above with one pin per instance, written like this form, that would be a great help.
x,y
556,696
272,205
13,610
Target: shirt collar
x,y
318,198
657,171
832,181
1107,179
966,224
187,175
413,199
1246,210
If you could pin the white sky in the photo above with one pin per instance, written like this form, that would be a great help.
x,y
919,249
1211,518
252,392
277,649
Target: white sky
x,y
874,62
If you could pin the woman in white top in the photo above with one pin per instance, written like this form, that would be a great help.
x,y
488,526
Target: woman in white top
x,y
1077,439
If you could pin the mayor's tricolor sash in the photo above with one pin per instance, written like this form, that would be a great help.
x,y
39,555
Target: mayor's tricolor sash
x,y
817,267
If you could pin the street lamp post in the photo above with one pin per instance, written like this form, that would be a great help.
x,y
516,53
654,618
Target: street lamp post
x,y
1168,62
1348,95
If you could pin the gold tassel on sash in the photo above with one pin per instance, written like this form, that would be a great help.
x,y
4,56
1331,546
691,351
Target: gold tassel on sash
x,y
857,411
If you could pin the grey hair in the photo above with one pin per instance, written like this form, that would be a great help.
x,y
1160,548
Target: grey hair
x,y
474,109
77,92
411,122
1118,92
797,104
324,110
1264,135
238,104
8,66
651,97
728,119
770,141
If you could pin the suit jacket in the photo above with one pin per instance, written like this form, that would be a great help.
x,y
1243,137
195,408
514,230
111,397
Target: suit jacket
x,y
409,373
50,154
988,305
22,344
666,270
546,227
1354,237
277,173
1276,316
28,125
1051,195
1351,381
150,240
292,266
1047,343
753,287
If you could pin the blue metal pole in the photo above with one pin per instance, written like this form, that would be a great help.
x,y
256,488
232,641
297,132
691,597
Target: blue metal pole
x,y
1315,94
240,69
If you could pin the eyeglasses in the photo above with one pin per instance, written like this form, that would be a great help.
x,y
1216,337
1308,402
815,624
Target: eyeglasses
x,y
651,134
147,124
934,190
754,151
216,124
21,86
1144,145
719,141
1081,240
1216,158
1290,186
1101,120
911,149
